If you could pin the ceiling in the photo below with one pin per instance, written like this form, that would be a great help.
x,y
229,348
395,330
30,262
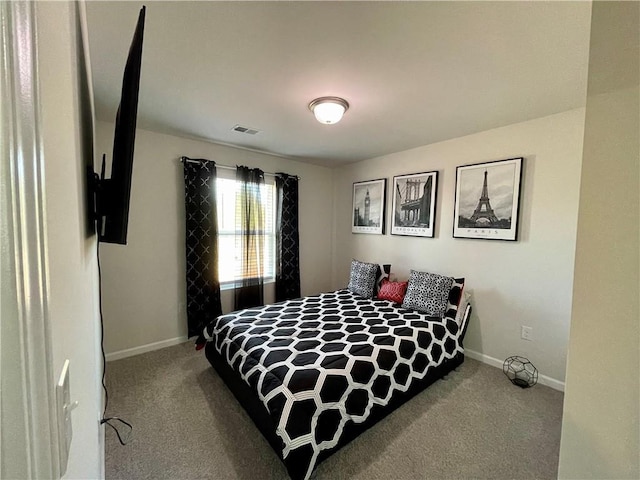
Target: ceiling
x,y
414,73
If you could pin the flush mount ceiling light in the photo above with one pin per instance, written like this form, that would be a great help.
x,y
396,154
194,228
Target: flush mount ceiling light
x,y
329,110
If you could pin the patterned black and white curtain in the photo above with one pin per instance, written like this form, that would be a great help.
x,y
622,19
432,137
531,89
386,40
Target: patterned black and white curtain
x,y
287,238
203,285
250,231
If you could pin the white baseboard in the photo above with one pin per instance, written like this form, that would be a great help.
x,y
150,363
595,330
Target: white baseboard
x,y
494,362
149,347
481,357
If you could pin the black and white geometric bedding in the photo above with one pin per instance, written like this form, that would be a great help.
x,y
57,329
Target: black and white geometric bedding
x,y
322,362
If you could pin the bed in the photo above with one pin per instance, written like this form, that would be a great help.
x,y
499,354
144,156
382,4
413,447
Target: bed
x,y
313,373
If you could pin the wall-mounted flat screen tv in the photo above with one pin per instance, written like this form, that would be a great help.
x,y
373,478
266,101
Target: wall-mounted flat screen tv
x,y
113,194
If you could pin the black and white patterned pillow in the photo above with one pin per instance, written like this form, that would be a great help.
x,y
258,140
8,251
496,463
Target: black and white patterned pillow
x,y
455,297
428,293
362,280
383,272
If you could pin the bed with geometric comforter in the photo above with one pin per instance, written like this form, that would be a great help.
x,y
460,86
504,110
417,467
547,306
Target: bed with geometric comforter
x,y
315,372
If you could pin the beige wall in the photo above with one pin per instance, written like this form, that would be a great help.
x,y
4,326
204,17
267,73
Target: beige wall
x,y
601,427
144,286
71,254
528,282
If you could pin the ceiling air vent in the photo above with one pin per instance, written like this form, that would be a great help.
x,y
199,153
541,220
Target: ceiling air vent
x,y
247,130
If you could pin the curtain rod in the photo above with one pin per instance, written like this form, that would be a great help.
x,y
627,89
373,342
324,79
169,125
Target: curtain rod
x,y
226,167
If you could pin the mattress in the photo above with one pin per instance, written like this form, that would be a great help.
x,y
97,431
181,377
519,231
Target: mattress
x,y
315,372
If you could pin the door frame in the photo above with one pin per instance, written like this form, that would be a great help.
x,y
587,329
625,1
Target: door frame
x,y
21,150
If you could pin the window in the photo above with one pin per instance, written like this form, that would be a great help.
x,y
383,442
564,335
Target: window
x,y
228,258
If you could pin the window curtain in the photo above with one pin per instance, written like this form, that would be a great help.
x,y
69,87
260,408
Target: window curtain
x,y
250,226
287,238
203,286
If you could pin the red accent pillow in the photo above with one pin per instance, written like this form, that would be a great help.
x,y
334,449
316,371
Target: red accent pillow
x,y
393,291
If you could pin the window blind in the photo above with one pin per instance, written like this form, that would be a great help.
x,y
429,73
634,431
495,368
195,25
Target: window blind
x,y
229,240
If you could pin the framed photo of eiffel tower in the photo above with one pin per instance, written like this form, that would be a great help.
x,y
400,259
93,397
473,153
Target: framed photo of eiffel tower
x,y
369,202
488,200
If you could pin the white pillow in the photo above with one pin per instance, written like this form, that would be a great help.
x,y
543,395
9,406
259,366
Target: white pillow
x,y
462,306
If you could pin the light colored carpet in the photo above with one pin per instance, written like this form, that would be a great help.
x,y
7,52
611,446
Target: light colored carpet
x,y
188,425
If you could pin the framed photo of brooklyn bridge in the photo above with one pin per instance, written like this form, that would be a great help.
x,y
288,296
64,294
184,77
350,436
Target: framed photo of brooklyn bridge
x,y
414,204
369,206
488,200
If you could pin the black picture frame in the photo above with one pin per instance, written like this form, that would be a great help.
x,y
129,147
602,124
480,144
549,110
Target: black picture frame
x,y
369,206
487,200
414,204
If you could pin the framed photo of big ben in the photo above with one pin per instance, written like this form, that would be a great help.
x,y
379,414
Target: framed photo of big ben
x,y
369,202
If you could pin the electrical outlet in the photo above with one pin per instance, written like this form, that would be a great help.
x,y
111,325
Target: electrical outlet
x,y
527,333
